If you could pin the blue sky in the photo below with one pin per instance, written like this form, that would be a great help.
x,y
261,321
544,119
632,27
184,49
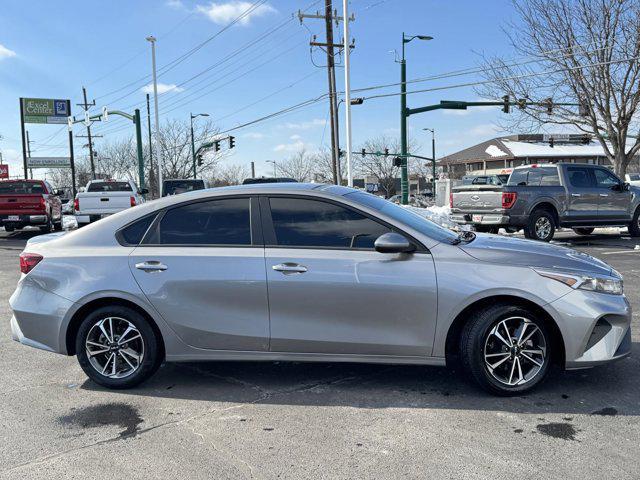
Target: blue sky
x,y
51,49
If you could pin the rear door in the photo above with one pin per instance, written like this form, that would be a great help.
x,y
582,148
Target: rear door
x,y
201,265
330,292
614,203
582,201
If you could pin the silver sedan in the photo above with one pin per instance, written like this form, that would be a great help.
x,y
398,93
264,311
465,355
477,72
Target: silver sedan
x,y
313,273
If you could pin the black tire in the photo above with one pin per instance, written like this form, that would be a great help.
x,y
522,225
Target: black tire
x,y
541,226
634,226
584,231
486,229
477,335
57,226
151,348
48,227
9,229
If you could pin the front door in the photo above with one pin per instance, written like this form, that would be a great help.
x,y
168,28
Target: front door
x,y
582,204
614,202
330,292
203,269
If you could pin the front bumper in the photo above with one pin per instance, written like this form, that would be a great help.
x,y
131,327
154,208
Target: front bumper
x,y
39,317
595,327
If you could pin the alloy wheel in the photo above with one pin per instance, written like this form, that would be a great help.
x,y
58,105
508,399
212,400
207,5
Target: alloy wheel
x,y
543,227
115,347
515,351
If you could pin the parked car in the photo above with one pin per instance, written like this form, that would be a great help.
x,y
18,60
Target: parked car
x,y
541,198
102,198
308,272
29,203
256,180
175,186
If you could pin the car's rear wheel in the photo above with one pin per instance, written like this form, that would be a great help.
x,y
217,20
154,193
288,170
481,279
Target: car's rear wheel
x,y
117,347
487,229
541,226
506,349
8,228
584,231
57,226
634,226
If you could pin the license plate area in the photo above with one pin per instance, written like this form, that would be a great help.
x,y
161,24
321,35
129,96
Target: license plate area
x,y
13,218
476,218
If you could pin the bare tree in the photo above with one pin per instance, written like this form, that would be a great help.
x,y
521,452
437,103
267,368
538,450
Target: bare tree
x,y
299,166
379,166
229,174
579,51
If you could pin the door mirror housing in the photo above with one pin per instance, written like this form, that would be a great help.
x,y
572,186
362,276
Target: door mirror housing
x,y
393,242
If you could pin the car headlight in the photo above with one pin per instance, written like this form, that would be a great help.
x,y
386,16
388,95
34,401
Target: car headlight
x,y
611,285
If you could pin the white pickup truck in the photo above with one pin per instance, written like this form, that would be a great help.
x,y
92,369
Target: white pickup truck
x,y
102,198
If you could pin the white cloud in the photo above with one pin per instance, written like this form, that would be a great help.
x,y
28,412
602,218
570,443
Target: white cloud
x,y
177,4
254,135
5,52
316,122
290,147
223,13
162,88
295,137
485,130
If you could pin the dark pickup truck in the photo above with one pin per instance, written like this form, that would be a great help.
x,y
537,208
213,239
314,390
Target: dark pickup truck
x,y
29,202
541,198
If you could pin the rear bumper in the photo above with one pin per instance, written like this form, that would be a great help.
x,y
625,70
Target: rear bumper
x,y
25,219
480,218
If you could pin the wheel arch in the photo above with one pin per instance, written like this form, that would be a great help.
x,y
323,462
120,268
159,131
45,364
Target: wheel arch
x,y
80,314
548,205
455,329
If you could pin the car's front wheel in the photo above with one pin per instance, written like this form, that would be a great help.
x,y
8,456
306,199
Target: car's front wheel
x,y
506,349
117,347
634,226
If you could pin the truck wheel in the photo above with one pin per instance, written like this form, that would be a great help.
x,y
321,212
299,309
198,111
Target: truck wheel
x,y
584,231
47,227
634,226
485,229
506,349
58,226
541,226
9,228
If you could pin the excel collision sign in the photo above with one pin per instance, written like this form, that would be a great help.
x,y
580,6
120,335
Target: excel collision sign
x,y
44,110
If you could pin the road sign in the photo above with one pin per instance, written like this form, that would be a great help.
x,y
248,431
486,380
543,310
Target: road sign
x,y
45,110
4,171
48,162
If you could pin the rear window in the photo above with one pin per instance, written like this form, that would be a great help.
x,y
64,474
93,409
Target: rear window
x,y
109,187
8,188
176,187
535,177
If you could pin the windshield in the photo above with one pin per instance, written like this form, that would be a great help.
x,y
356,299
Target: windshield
x,y
109,187
21,188
405,216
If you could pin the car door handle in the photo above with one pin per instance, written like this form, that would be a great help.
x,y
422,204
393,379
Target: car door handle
x,y
151,266
576,195
288,268
604,194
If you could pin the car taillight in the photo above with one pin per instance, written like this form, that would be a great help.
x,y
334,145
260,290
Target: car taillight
x,y
76,204
28,261
133,201
43,203
508,199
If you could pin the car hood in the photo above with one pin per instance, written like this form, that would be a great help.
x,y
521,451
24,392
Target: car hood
x,y
516,251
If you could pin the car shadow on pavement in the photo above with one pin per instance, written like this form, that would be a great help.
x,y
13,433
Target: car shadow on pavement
x,y
608,390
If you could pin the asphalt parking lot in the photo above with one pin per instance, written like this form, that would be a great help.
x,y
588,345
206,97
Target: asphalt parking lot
x,y
289,420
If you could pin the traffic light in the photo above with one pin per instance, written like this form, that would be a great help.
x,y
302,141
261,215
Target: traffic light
x,y
505,106
232,141
397,161
549,103
363,152
199,158
216,145
522,103
386,152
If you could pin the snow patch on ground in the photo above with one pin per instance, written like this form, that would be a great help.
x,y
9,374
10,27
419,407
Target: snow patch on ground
x,y
69,222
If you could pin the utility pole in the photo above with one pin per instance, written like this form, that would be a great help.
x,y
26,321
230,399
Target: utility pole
x,y
86,106
152,40
253,170
329,16
347,87
151,171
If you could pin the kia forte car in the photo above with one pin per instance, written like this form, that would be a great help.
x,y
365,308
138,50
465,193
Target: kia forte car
x,y
318,273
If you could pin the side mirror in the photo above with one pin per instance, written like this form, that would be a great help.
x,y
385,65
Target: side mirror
x,y
143,191
393,243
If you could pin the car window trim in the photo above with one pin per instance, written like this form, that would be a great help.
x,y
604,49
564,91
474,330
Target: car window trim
x,y
270,239
152,235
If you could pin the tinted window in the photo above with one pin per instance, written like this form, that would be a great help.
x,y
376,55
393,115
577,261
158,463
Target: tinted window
x,y
216,222
109,187
605,179
8,188
580,177
480,181
176,187
535,176
312,223
133,234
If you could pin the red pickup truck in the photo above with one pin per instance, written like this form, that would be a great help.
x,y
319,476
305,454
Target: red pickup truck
x,y
29,202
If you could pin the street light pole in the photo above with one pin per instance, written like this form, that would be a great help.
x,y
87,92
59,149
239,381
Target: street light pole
x,y
275,174
193,144
433,156
347,89
152,39
404,172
